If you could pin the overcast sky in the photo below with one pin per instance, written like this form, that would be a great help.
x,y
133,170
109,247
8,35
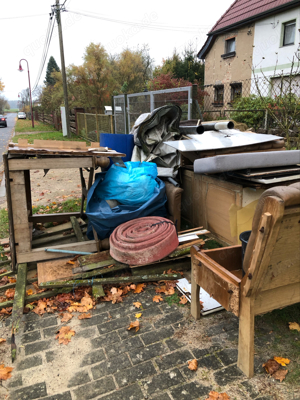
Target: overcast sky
x,y
160,24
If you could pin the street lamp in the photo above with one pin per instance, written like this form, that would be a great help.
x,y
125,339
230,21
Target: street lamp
x,y
21,69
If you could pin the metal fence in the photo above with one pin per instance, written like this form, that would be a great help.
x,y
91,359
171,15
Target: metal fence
x,y
248,100
90,126
127,108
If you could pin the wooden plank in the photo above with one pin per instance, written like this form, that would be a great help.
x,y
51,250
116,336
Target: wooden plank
x,y
98,291
97,265
31,151
4,242
185,248
19,299
257,266
229,257
179,264
276,298
77,229
195,291
10,212
56,269
190,230
16,164
37,296
94,258
104,281
52,217
219,285
41,254
58,144
246,337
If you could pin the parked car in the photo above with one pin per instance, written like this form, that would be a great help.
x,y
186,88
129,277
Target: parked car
x,y
21,115
3,121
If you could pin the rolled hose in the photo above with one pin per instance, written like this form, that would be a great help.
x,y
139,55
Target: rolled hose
x,y
143,240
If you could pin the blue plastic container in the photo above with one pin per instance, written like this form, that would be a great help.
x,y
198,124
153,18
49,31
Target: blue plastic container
x,y
119,142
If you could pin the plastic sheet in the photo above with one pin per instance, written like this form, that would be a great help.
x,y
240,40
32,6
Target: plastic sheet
x,y
133,185
105,219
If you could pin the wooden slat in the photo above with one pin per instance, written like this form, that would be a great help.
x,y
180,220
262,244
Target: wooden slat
x,y
58,144
50,163
41,254
19,298
52,217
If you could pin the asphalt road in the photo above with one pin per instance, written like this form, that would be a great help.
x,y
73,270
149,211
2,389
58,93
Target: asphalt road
x,y
6,133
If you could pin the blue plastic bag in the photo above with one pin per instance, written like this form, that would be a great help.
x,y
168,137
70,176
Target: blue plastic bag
x,y
105,219
133,185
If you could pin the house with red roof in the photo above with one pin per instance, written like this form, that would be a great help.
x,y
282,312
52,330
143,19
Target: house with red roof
x,y
253,37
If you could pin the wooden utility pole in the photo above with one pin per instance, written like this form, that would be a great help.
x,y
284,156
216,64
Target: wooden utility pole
x,y
63,68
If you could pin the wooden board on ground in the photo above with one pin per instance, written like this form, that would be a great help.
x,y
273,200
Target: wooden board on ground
x,y
56,269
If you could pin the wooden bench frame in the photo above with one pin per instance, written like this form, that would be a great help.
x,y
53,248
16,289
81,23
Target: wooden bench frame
x,y
272,265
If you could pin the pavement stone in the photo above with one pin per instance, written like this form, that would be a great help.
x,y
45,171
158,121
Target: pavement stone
x,y
132,392
42,345
189,391
147,353
29,392
157,335
94,389
105,361
30,362
163,381
111,366
176,358
93,357
131,375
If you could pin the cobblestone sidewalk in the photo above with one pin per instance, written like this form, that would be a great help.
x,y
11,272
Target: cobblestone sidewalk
x,y
106,361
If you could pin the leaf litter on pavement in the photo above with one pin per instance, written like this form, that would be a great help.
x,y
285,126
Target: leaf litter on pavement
x,y
273,367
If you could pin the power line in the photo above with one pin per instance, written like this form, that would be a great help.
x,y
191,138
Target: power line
x,y
145,25
45,50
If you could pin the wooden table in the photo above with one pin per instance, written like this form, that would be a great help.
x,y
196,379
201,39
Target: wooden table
x,y
18,162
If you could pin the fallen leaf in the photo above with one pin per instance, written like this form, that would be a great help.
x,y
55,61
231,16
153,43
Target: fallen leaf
x,y
64,335
85,316
271,366
282,361
66,317
5,372
10,293
193,365
132,286
3,270
217,396
3,281
137,304
70,262
2,299
294,326
12,280
2,340
29,292
85,305
139,287
183,300
135,324
40,309
138,315
280,374
157,299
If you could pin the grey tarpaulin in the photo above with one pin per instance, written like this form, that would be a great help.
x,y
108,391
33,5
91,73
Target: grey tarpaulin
x,y
151,131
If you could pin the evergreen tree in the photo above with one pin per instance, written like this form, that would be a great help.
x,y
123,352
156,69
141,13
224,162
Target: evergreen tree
x,y
51,67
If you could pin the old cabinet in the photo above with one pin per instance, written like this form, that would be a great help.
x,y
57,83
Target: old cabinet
x,y
224,208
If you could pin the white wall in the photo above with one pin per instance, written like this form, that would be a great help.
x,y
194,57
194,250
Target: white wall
x,y
267,43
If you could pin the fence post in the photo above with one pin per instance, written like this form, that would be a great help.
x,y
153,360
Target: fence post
x,y
151,102
266,119
113,114
111,124
85,125
77,110
97,129
126,114
194,99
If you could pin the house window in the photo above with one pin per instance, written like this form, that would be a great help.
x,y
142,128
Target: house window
x,y
229,48
289,29
219,95
230,45
236,91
